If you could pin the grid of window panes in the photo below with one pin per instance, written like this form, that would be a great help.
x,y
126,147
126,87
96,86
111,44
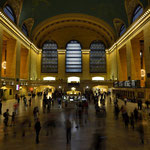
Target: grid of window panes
x,y
97,58
138,11
49,58
9,12
73,57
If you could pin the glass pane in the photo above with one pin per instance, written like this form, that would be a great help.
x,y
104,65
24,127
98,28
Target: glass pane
x,y
73,57
49,57
97,57
9,12
138,11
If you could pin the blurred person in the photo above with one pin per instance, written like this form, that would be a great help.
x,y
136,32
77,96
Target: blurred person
x,y
132,120
6,117
37,128
13,119
68,130
30,101
0,107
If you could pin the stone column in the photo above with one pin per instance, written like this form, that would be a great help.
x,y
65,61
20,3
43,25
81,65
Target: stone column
x,y
18,49
128,53
1,46
86,64
147,53
61,64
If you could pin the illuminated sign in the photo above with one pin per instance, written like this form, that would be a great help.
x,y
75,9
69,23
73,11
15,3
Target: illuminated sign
x,y
73,80
98,79
49,78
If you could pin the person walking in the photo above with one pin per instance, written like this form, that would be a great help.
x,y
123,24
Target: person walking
x,y
125,101
37,128
6,117
68,131
0,107
132,120
13,119
30,101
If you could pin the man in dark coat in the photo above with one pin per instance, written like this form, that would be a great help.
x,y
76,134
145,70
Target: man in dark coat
x,y
0,107
37,129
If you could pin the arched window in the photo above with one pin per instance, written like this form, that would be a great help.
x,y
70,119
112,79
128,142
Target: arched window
x,y
137,12
122,29
73,57
49,57
97,57
10,13
24,29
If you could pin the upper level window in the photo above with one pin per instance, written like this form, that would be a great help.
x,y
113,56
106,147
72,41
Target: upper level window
x,y
24,29
49,57
10,13
137,12
97,57
122,29
73,57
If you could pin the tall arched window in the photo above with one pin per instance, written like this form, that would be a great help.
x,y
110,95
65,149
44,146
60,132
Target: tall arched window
x,y
10,13
137,12
73,57
24,29
122,29
97,57
49,57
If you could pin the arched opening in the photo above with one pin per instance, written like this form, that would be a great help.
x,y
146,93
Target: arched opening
x,y
49,57
97,57
73,57
122,30
137,12
10,13
25,30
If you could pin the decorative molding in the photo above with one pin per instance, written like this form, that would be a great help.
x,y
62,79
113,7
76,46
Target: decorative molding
x,y
138,24
118,23
6,23
29,24
130,6
16,6
96,25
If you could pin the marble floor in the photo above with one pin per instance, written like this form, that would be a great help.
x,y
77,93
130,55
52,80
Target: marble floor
x,y
105,132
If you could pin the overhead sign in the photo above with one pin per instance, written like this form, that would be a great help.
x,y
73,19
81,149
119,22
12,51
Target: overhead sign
x,y
127,84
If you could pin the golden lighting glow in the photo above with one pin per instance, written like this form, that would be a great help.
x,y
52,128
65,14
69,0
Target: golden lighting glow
x,y
142,73
98,79
85,51
73,88
141,21
49,78
11,26
62,51
73,80
4,64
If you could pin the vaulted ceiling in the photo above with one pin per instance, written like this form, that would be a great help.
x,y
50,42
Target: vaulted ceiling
x,y
104,10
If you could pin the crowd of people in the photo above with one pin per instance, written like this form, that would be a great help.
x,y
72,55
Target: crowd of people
x,y
135,118
81,110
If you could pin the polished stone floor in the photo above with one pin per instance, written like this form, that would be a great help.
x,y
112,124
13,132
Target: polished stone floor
x,y
111,134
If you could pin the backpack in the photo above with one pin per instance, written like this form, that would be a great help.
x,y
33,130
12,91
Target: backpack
x,y
5,114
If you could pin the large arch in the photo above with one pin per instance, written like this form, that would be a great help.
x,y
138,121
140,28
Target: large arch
x,y
65,27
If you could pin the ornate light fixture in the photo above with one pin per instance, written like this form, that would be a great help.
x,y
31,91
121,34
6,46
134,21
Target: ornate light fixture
x,y
4,64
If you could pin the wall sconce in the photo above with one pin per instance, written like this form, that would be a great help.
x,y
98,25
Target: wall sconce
x,y
4,64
